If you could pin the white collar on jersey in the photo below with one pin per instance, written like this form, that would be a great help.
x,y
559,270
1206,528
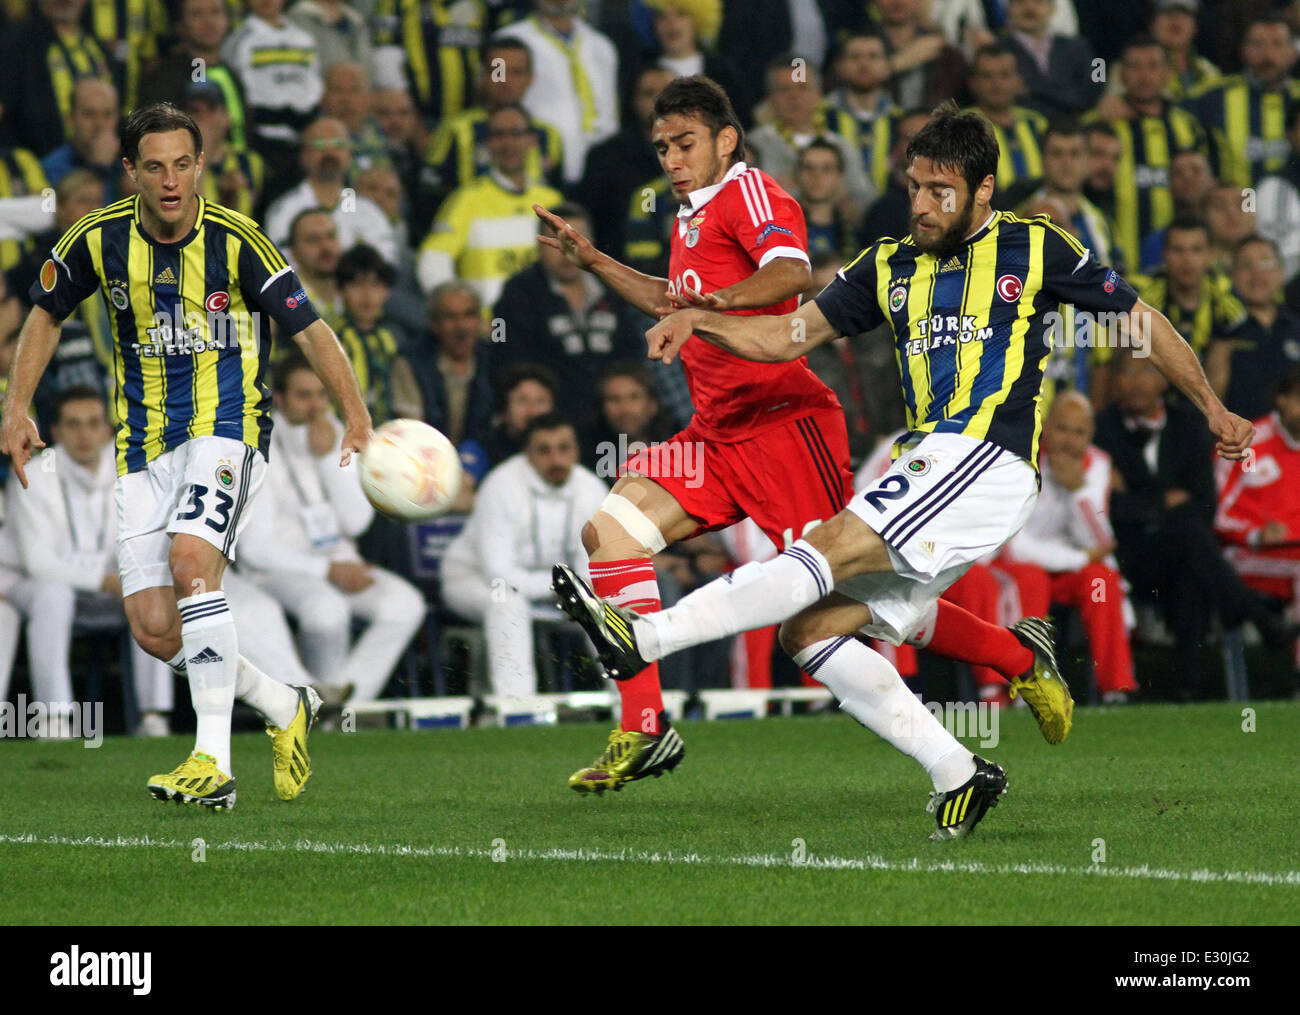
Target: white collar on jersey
x,y
987,222
697,199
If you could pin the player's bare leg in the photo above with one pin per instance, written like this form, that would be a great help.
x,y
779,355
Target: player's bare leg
x,y
639,519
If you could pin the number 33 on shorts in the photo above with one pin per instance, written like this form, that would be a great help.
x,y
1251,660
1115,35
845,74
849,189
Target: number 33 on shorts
x,y
212,505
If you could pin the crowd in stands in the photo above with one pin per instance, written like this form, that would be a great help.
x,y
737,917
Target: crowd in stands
x,y
394,149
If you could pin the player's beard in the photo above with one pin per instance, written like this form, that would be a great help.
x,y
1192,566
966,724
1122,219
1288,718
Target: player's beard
x,y
951,239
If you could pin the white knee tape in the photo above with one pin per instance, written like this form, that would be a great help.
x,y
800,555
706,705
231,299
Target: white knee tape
x,y
634,521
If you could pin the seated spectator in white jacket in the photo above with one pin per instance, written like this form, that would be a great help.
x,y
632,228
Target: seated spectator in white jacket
x,y
58,557
527,517
1068,535
300,545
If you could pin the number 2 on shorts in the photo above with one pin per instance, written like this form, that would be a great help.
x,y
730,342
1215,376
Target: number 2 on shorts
x,y
889,488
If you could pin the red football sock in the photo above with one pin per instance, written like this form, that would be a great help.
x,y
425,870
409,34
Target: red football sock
x,y
632,583
959,634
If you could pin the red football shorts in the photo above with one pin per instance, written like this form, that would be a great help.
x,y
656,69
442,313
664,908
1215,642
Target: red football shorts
x,y
787,478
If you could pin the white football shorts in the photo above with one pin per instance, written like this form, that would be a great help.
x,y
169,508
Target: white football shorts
x,y
947,501
202,488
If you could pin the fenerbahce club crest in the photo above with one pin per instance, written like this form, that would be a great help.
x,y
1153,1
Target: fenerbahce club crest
x,y
897,298
225,475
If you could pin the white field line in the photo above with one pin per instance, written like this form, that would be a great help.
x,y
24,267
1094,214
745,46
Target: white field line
x,y
769,860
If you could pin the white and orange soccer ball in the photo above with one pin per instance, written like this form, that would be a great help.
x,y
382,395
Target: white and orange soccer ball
x,y
410,471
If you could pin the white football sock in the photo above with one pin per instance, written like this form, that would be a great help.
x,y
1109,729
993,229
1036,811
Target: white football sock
x,y
211,661
277,702
870,689
755,595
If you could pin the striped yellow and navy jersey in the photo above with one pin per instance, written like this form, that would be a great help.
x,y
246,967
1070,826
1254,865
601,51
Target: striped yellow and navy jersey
x,y
21,175
1143,202
1020,146
458,151
972,331
129,31
1247,126
440,40
372,354
191,322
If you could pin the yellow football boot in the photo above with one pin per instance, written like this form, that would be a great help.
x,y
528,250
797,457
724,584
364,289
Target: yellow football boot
x,y
1043,688
197,781
291,765
631,755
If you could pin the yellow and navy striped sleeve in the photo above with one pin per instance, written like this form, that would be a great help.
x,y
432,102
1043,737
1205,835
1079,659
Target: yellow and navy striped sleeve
x,y
851,303
1071,274
266,281
69,274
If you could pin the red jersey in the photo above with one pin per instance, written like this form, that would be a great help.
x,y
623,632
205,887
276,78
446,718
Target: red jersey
x,y
723,235
1250,499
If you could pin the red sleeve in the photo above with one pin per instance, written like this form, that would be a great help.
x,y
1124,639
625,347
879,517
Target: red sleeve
x,y
765,220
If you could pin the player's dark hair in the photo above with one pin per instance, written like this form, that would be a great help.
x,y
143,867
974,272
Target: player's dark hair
x,y
78,393
500,42
700,96
364,260
960,141
1141,41
1064,127
820,144
516,373
1289,384
293,225
1101,127
633,371
1187,224
546,421
158,118
293,361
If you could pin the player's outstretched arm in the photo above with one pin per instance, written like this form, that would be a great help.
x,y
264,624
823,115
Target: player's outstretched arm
x,y
18,433
1174,358
767,339
645,292
321,347
775,282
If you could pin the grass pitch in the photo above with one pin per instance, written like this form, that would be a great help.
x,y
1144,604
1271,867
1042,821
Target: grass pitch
x,y
1148,814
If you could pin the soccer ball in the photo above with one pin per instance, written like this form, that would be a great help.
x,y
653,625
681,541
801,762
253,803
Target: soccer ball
x,y
410,471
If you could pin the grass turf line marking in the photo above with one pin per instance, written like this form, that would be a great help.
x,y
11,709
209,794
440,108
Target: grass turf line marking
x,y
865,863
